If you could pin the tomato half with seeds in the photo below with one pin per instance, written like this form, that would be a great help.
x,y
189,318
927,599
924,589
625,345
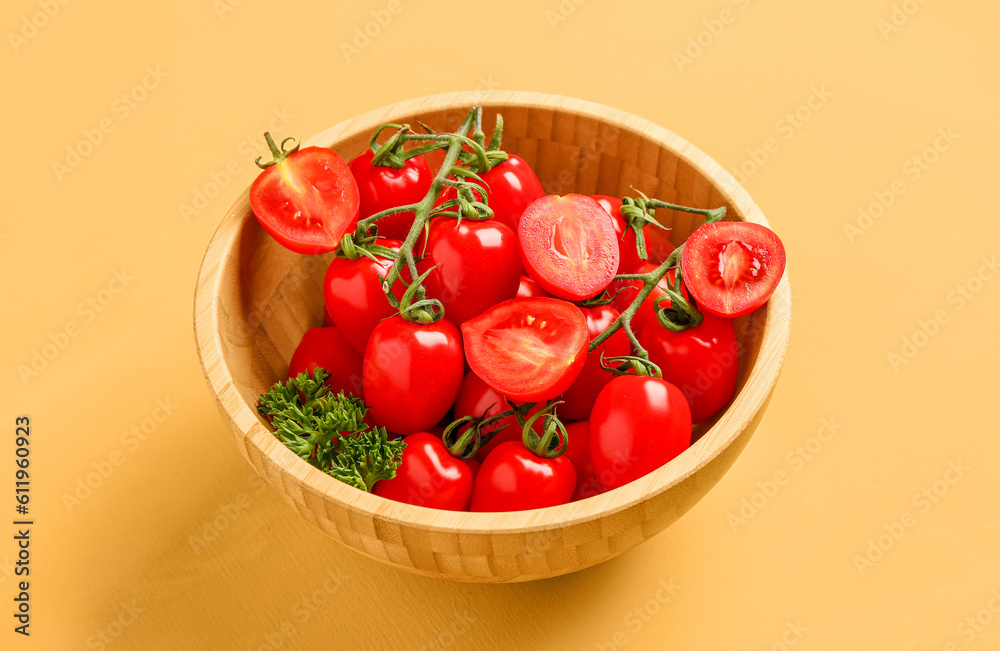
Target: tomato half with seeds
x,y
568,246
382,187
638,424
732,268
513,478
528,349
429,476
307,200
579,398
411,373
326,348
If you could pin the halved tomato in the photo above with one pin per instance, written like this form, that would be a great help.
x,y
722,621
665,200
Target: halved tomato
x,y
528,349
569,246
307,200
732,268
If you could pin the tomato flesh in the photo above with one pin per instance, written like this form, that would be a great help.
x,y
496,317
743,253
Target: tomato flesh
x,y
732,268
568,246
307,201
528,349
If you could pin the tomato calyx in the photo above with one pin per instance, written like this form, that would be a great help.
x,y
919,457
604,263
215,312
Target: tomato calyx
x,y
352,249
554,439
280,153
637,213
471,433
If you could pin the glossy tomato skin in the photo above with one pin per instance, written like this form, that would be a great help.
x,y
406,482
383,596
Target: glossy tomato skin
x,y
352,293
578,452
568,246
513,186
383,187
638,424
701,361
528,349
512,478
476,265
476,398
411,373
429,476
732,268
307,201
530,289
657,249
630,289
579,398
326,348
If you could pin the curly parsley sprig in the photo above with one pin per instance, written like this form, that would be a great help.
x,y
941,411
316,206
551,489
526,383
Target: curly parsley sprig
x,y
329,431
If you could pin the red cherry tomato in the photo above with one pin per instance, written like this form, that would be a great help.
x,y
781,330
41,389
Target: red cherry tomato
x,y
568,246
412,373
326,348
578,452
657,248
579,398
701,361
477,265
513,478
530,289
629,290
429,476
512,185
476,398
352,292
382,187
528,349
637,425
732,268
306,201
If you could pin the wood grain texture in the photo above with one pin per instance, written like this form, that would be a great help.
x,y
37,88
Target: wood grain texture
x,y
255,299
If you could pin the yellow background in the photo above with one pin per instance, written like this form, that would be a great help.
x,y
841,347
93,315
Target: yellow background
x,y
789,575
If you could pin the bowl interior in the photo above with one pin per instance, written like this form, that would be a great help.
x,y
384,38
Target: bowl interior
x,y
266,296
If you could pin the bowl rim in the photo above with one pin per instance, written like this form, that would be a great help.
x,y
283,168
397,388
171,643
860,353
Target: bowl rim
x,y
751,398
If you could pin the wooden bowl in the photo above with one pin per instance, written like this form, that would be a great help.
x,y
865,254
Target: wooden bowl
x,y
255,299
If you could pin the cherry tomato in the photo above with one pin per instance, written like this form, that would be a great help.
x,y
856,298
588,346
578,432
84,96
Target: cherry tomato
x,y
512,185
429,476
307,200
411,373
657,248
477,265
476,398
530,289
352,292
638,424
732,268
326,348
528,349
383,187
701,361
568,246
629,290
578,452
513,478
579,398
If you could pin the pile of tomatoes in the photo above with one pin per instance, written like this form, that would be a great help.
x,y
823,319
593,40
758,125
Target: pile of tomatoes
x,y
484,363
